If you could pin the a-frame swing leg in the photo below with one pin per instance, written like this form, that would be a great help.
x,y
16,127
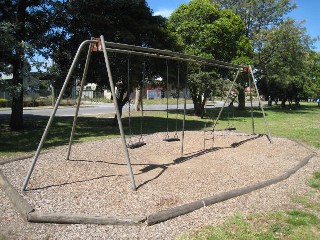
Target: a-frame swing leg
x,y
260,103
184,112
224,104
251,104
124,144
45,133
79,99
226,99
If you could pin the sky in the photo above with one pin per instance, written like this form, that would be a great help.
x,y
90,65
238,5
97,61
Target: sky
x,y
307,10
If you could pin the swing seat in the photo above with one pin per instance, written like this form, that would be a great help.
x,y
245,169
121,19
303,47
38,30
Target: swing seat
x,y
136,145
230,129
173,139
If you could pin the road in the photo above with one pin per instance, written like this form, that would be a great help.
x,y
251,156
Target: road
x,y
101,108
96,109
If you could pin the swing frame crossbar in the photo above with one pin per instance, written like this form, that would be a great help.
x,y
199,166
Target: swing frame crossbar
x,y
99,44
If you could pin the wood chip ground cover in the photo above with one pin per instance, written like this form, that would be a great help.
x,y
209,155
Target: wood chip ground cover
x,y
96,181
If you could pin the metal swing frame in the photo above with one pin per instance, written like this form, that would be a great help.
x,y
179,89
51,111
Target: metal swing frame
x,y
175,137
140,143
252,80
99,44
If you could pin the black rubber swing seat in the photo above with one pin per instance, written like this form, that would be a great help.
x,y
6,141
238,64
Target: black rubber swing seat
x,y
174,139
230,129
136,145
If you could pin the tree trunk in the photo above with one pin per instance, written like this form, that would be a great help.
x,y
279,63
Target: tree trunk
x,y
121,99
16,119
283,102
198,106
241,99
138,100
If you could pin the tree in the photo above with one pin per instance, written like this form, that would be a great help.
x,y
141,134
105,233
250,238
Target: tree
x,y
122,21
22,24
201,87
258,16
206,31
285,55
313,63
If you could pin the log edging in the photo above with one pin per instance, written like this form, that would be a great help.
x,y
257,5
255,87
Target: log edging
x,y
30,214
190,207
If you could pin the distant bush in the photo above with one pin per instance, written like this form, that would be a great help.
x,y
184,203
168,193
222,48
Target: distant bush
x,y
4,103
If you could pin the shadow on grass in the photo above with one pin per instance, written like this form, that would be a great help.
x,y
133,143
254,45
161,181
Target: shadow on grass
x,y
295,109
95,128
87,128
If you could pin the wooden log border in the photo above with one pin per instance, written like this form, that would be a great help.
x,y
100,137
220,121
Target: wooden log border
x,y
65,218
21,205
190,207
10,160
29,214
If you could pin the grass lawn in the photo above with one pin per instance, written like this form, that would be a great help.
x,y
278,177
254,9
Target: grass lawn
x,y
292,224
301,123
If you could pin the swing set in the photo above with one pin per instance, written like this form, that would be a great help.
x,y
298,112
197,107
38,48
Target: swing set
x,y
99,44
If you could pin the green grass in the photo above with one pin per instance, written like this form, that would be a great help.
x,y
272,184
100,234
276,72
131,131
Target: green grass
x,y
301,124
164,101
315,181
308,202
293,224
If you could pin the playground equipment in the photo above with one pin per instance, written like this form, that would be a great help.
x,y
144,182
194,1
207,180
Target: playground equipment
x,y
167,138
140,141
101,45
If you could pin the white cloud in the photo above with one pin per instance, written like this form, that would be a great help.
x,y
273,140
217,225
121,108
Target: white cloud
x,y
164,12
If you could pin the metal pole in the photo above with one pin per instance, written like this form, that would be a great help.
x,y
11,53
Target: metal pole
x,y
205,125
251,105
79,100
226,99
129,98
184,113
167,86
260,103
141,99
159,52
124,144
178,95
45,133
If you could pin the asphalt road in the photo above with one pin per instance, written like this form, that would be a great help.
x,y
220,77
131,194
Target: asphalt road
x,y
96,109
101,108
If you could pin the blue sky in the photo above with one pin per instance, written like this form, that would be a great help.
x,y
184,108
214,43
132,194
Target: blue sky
x,y
307,10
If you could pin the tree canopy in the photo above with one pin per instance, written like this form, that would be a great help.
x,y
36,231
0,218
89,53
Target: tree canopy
x,y
206,31
285,55
258,14
23,26
281,47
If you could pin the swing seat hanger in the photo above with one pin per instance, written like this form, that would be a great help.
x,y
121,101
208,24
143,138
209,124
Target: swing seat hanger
x,y
172,139
175,138
136,145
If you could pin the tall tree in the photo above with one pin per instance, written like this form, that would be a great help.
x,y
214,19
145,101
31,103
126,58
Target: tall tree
x,y
258,16
285,55
122,21
22,24
206,31
313,73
